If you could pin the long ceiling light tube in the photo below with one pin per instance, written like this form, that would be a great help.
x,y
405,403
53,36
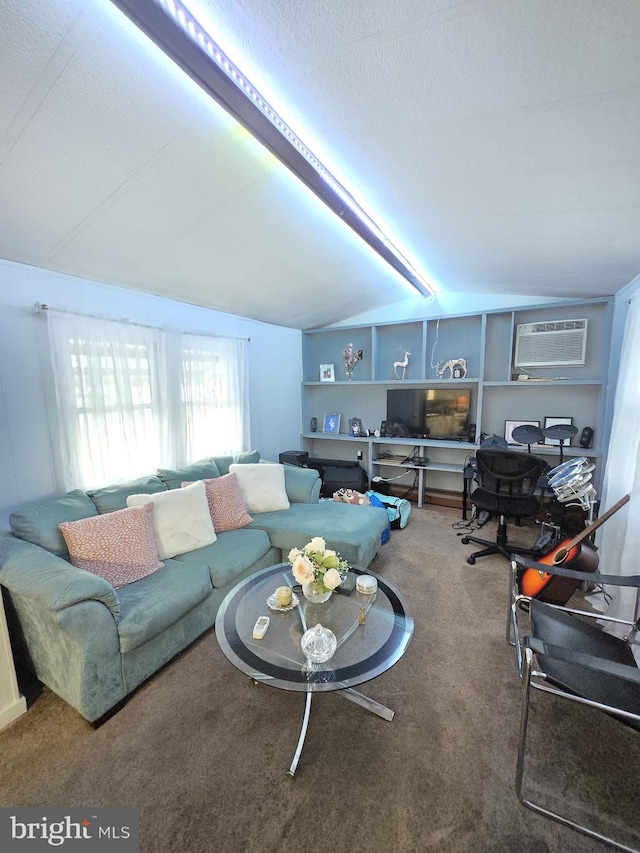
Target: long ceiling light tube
x,y
179,34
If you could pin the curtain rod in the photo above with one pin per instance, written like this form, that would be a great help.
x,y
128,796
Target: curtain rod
x,y
42,308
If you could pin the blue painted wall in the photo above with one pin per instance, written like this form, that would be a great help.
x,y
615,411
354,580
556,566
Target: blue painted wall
x,y
27,405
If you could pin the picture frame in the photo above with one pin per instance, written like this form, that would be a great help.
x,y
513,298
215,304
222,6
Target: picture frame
x,y
327,373
355,427
509,427
552,421
331,424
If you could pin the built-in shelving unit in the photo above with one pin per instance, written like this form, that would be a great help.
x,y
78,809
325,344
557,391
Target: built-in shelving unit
x,y
487,342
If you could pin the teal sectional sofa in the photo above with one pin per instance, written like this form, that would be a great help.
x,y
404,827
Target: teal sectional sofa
x,y
93,644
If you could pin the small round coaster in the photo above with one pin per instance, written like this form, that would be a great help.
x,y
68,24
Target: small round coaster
x,y
367,584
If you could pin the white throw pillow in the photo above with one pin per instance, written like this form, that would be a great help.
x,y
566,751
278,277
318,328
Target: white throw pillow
x,y
262,486
181,519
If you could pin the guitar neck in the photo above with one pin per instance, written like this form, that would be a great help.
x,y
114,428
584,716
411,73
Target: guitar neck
x,y
601,520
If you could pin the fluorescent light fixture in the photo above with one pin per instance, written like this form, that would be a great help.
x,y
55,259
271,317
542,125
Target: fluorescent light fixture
x,y
179,34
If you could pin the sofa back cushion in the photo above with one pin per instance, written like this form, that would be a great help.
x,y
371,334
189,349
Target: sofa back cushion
x,y
181,519
39,522
173,478
119,546
224,463
262,486
111,498
302,484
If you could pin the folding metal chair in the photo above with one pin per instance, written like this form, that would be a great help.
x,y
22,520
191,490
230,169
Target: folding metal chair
x,y
564,653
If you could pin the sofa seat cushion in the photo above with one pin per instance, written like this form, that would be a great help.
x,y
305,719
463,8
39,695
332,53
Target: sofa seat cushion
x,y
351,530
233,552
152,604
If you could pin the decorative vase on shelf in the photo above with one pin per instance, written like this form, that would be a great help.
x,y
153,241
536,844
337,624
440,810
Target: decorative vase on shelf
x,y
316,592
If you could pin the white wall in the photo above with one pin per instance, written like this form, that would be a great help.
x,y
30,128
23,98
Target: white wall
x,y
443,305
27,423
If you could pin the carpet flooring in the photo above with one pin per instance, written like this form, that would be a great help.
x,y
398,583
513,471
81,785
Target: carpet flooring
x,y
202,751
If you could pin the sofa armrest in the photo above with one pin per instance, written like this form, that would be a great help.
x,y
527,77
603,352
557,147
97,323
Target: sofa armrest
x,y
29,571
302,484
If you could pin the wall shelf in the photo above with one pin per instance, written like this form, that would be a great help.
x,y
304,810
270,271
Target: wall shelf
x,y
487,341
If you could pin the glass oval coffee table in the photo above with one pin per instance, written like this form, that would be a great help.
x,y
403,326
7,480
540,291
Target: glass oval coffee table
x,y
372,630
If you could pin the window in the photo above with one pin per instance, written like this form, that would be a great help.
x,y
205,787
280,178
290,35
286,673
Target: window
x,y
132,398
213,382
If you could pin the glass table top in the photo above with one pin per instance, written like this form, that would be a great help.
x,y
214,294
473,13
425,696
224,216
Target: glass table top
x,y
364,650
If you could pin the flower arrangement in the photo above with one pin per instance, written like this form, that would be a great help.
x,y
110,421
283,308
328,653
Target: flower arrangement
x,y
351,358
317,565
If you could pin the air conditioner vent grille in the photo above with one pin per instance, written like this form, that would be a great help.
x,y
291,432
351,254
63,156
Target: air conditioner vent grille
x,y
551,344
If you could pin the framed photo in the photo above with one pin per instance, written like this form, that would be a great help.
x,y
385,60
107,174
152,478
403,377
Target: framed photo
x,y
355,426
331,424
552,422
327,373
509,427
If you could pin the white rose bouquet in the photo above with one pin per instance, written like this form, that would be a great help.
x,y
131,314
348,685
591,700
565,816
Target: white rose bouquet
x,y
318,565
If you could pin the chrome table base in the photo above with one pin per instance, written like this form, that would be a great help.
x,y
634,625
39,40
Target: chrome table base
x,y
353,696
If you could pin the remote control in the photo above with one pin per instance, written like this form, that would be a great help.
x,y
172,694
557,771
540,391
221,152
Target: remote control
x,y
260,628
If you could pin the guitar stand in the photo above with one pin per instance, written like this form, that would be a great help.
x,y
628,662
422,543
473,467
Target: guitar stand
x,y
548,538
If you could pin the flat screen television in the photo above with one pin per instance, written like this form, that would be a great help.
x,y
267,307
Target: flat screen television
x,y
438,413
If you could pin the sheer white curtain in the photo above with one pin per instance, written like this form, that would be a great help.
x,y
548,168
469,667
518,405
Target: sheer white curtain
x,y
619,541
132,398
111,393
214,395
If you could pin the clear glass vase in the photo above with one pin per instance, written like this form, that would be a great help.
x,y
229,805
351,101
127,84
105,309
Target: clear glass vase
x,y
316,592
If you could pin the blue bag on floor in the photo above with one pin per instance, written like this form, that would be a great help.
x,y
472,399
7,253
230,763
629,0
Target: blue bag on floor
x,y
375,501
398,509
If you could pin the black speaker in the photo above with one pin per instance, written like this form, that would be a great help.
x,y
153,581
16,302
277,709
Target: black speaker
x,y
472,433
314,425
586,437
383,428
299,458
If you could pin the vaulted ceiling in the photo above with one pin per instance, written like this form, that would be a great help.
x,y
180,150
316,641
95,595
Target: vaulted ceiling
x,y
497,142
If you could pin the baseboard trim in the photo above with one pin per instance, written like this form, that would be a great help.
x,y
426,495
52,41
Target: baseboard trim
x,y
13,711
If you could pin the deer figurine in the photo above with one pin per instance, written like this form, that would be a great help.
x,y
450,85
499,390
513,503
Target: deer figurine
x,y
402,364
457,368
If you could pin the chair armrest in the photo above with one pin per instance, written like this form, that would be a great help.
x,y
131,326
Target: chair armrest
x,y
29,571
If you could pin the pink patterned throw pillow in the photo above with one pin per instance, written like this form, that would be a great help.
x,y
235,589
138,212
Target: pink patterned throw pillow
x,y
228,511
119,546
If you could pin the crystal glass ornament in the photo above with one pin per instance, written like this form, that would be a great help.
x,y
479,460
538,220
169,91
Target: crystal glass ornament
x,y
319,644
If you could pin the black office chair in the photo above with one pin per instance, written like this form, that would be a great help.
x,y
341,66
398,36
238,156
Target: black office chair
x,y
565,653
507,483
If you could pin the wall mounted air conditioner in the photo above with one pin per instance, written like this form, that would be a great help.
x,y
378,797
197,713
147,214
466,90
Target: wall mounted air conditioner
x,y
550,344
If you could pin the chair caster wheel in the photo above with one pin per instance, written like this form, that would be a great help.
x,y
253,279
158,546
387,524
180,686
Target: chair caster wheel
x,y
471,561
465,540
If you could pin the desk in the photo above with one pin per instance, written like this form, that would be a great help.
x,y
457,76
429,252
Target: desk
x,y
428,466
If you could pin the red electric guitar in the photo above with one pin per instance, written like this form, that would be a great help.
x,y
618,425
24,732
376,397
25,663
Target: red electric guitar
x,y
570,551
